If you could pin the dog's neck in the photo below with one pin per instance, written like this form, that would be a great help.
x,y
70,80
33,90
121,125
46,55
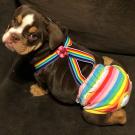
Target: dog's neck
x,y
74,55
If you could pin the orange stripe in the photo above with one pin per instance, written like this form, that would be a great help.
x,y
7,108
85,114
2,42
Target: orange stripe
x,y
80,52
38,63
116,105
100,88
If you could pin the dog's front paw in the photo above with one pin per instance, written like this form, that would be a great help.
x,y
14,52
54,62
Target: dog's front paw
x,y
36,90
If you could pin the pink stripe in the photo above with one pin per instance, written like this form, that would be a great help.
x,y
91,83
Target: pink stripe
x,y
103,76
130,87
107,87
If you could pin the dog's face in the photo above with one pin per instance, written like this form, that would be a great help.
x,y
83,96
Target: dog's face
x,y
28,31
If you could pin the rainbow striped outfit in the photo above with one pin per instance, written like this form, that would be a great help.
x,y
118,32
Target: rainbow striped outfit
x,y
106,89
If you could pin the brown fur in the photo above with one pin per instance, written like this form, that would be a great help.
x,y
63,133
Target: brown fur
x,y
19,19
35,90
118,117
107,60
33,29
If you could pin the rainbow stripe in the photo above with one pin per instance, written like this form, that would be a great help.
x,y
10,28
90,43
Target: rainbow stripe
x,y
75,69
106,89
80,55
46,61
104,95
74,56
68,42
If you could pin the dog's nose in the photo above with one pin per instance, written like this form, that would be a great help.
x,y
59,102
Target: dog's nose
x,y
15,37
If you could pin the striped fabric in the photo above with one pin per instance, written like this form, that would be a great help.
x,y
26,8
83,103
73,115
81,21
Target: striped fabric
x,y
46,61
76,55
51,58
107,89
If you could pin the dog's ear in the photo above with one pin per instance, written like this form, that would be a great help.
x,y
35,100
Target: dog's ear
x,y
56,35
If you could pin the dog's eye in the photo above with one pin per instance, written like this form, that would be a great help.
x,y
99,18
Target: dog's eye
x,y
32,37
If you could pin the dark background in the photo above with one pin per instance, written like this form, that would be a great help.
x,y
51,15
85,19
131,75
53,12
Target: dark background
x,y
107,27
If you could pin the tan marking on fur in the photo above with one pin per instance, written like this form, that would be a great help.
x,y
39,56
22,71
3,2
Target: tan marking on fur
x,y
107,60
33,29
35,90
22,48
19,19
118,117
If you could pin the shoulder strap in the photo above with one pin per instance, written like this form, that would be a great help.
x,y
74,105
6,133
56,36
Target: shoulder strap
x,y
74,56
46,61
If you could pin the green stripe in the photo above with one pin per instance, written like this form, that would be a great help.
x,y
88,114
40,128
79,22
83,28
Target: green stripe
x,y
92,81
81,56
66,43
75,71
46,61
115,89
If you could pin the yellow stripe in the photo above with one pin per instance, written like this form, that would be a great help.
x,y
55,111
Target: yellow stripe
x,y
82,78
117,96
90,94
40,62
103,107
80,53
69,42
122,97
94,111
86,55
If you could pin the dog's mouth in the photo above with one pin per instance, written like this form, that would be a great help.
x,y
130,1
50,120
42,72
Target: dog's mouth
x,y
11,43
14,46
20,46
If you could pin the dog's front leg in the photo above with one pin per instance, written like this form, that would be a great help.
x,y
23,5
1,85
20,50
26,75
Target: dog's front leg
x,y
36,90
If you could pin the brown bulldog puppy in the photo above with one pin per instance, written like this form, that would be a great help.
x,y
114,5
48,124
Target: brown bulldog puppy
x,y
31,33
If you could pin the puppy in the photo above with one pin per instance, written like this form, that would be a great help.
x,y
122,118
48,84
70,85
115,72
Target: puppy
x,y
32,34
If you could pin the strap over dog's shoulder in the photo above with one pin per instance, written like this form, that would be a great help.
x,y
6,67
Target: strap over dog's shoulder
x,y
74,55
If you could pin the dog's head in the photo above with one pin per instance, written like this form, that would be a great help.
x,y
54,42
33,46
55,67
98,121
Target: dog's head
x,y
29,30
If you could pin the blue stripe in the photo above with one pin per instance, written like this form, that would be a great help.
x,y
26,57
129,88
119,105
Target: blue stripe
x,y
91,81
77,55
74,71
71,69
82,58
47,61
91,61
65,45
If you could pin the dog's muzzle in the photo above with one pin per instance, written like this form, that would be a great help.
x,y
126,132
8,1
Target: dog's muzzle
x,y
10,40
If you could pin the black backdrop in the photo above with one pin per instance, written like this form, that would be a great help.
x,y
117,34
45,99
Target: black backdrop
x,y
99,24
103,25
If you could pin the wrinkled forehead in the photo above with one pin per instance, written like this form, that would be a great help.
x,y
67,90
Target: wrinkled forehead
x,y
22,23
25,14
25,18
